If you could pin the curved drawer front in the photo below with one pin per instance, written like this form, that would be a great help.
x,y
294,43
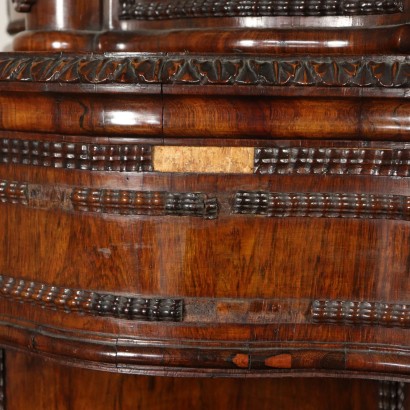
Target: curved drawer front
x,y
148,228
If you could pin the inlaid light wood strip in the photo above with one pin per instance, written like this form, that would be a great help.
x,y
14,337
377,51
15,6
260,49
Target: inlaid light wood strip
x,y
204,159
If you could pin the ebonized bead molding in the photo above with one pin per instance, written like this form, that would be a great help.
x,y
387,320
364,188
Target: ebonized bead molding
x,y
334,161
90,303
360,313
365,71
146,10
13,192
321,205
86,157
144,203
382,161
391,395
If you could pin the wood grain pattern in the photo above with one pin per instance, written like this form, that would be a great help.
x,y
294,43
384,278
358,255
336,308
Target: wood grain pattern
x,y
86,157
216,70
159,10
271,36
321,205
204,159
333,161
89,302
293,262
361,313
104,391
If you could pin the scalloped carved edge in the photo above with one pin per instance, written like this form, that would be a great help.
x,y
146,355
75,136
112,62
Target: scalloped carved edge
x,y
391,395
24,6
90,303
211,70
144,202
334,161
160,10
67,155
321,205
344,312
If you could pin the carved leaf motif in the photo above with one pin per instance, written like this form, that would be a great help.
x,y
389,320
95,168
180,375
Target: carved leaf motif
x,y
141,69
246,74
187,73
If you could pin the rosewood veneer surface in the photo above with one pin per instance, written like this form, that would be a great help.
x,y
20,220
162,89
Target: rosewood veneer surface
x,y
207,189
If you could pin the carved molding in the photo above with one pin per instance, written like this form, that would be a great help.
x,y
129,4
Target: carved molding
x,y
160,10
321,205
24,6
91,157
140,158
90,303
144,203
391,395
13,192
343,312
141,69
337,161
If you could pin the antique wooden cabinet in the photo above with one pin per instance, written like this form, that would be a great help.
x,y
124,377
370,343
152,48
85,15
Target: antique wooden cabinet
x,y
206,204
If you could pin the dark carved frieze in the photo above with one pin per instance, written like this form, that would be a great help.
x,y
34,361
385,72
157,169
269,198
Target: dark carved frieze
x,y
13,192
391,395
144,203
90,303
92,157
23,6
321,205
208,70
159,10
360,313
335,161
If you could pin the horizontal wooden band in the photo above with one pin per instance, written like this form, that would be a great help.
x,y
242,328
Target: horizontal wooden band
x,y
285,160
197,204
363,71
183,357
210,117
205,310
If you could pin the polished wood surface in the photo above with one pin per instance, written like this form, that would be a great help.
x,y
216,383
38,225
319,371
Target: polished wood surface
x,y
206,192
123,392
